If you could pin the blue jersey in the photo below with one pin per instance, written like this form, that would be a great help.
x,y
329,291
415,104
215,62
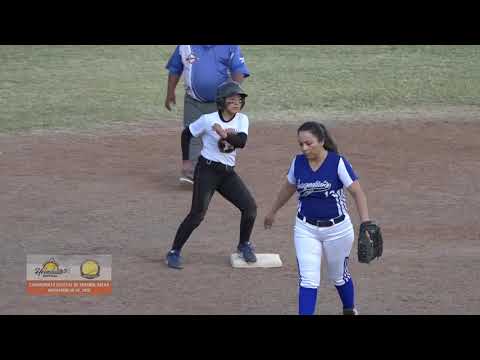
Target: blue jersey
x,y
321,193
205,67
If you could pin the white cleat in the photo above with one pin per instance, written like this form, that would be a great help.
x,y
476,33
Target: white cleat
x,y
350,311
186,180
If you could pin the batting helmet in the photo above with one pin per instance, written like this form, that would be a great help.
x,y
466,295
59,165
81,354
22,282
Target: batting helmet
x,y
229,89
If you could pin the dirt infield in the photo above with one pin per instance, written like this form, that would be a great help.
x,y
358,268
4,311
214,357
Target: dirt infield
x,y
117,193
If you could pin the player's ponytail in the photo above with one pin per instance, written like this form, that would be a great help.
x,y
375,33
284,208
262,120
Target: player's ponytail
x,y
329,143
321,133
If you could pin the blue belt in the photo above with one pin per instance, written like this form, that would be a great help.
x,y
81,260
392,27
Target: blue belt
x,y
321,223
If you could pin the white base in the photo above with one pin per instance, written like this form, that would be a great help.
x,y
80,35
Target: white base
x,y
263,261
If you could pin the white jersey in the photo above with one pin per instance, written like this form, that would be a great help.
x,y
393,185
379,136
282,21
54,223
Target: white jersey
x,y
203,127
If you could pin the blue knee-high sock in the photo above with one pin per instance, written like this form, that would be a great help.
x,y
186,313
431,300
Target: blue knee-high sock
x,y
346,293
307,299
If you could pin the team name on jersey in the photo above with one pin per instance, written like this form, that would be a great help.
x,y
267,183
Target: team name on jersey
x,y
306,189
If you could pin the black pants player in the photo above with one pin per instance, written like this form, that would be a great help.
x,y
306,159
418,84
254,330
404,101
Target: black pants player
x,y
222,133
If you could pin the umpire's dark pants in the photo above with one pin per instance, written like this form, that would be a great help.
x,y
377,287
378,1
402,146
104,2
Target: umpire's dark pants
x,y
208,178
192,110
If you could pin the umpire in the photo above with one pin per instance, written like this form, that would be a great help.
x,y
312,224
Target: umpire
x,y
204,67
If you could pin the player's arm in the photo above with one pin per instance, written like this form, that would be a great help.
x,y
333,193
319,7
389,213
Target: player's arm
x,y
234,138
237,140
185,142
355,189
195,129
350,180
238,137
285,193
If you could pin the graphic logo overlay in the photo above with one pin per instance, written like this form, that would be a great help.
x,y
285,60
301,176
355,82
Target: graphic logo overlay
x,y
50,268
90,269
69,275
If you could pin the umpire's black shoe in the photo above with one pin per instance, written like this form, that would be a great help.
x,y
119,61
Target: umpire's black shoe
x,y
174,260
245,251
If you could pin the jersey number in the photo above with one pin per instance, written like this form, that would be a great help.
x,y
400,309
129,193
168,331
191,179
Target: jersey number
x,y
331,193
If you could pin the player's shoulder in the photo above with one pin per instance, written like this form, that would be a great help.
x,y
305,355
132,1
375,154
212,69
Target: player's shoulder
x,y
213,116
343,159
299,158
242,116
340,157
334,155
335,158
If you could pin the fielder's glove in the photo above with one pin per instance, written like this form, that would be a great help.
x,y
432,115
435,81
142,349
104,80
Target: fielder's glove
x,y
369,248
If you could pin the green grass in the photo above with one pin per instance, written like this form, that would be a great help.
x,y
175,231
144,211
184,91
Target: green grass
x,y
364,78
86,86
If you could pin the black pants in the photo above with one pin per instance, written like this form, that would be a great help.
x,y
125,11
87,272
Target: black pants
x,y
208,178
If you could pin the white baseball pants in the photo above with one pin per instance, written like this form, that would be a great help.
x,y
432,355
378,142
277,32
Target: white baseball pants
x,y
334,242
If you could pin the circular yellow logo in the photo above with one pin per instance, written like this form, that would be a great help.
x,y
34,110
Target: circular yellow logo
x,y
50,265
90,269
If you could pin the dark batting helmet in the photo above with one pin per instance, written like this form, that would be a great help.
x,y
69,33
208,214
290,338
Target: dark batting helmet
x,y
228,89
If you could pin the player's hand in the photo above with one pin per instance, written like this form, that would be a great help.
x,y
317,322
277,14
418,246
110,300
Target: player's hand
x,y
366,232
170,99
219,130
187,167
269,220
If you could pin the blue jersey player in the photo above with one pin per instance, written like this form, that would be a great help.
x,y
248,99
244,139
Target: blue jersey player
x,y
322,225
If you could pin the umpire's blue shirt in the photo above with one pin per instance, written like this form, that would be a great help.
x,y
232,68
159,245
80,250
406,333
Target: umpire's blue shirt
x,y
205,67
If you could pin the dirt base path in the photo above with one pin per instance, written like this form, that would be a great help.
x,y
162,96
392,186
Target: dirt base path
x,y
118,194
